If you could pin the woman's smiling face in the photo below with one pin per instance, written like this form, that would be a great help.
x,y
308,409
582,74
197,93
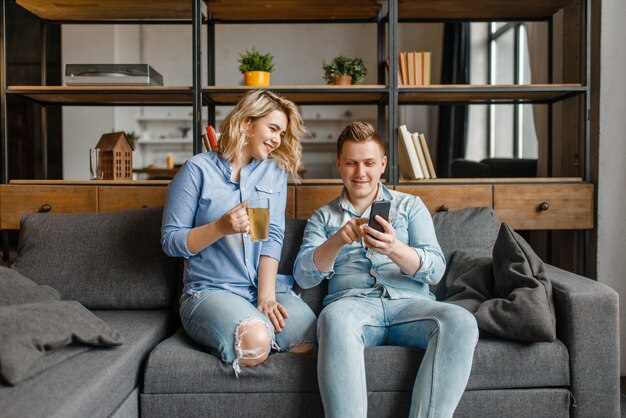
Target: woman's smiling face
x,y
265,135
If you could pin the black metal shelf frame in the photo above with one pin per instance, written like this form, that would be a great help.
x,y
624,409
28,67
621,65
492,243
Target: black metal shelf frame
x,y
387,107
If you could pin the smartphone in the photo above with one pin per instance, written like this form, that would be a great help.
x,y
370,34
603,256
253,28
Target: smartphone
x,y
379,207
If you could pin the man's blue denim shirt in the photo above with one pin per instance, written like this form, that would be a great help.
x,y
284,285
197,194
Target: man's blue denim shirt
x,y
201,193
359,271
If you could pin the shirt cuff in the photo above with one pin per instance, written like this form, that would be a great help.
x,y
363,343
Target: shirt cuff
x,y
426,265
308,266
271,249
180,240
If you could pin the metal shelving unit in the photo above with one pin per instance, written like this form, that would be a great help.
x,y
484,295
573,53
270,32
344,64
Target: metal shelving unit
x,y
387,96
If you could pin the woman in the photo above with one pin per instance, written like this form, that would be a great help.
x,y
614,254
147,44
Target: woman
x,y
233,301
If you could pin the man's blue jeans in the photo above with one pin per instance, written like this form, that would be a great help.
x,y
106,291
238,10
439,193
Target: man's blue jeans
x,y
447,332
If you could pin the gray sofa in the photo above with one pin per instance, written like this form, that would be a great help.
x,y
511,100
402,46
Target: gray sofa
x,y
159,372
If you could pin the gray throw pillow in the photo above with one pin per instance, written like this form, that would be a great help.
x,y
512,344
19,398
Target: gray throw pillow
x,y
524,304
34,332
109,260
16,289
510,295
469,280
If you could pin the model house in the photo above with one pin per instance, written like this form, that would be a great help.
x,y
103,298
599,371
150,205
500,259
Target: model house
x,y
117,156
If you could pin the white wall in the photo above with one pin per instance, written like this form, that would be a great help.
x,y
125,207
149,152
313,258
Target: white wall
x,y
83,126
611,265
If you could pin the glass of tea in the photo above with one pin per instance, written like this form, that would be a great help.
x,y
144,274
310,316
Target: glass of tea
x,y
259,214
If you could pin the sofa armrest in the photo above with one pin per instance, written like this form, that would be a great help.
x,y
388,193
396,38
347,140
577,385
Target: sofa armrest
x,y
587,323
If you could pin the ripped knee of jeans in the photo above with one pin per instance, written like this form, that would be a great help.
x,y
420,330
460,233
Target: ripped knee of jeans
x,y
253,342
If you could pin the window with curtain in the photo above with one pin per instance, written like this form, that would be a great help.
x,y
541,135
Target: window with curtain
x,y
500,56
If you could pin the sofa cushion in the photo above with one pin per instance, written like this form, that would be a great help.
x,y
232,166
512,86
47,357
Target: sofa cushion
x,y
16,289
473,230
96,382
524,309
294,232
32,333
103,260
177,365
509,295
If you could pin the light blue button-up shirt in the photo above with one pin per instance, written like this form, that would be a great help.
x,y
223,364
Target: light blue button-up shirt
x,y
359,271
201,193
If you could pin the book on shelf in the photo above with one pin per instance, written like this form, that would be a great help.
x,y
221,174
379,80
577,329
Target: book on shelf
x,y
418,68
408,162
414,68
411,63
404,69
420,154
427,157
426,68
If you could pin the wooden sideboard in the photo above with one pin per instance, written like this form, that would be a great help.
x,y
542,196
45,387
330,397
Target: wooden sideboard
x,y
525,204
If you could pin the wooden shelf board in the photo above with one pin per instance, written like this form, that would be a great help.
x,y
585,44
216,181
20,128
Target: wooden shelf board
x,y
479,10
105,95
492,180
294,10
430,182
449,93
315,94
92,182
72,10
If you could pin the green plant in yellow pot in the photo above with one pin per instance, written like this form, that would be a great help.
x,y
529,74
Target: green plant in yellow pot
x,y
256,68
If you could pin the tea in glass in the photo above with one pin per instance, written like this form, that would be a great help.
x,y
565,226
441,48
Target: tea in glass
x,y
259,214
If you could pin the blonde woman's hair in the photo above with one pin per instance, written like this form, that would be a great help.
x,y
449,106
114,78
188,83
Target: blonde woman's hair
x,y
359,132
254,105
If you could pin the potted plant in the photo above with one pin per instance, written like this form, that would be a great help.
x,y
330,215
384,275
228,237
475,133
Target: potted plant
x,y
256,68
343,70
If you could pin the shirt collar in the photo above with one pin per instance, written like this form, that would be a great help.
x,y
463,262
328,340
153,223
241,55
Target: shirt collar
x,y
227,168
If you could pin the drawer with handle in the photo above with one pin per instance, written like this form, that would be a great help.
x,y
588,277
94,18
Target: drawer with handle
x,y
18,200
112,198
545,206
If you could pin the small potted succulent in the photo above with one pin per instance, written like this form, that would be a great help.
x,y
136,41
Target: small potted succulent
x,y
343,70
256,68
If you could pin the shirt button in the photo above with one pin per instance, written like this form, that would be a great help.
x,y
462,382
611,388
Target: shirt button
x,y
373,272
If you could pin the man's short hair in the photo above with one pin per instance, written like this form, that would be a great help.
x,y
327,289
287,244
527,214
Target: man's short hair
x,y
359,132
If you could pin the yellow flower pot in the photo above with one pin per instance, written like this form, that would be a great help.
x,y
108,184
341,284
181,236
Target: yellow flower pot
x,y
256,78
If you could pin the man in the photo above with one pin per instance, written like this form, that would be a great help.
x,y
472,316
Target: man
x,y
378,290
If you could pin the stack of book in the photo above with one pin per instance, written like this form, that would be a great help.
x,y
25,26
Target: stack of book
x,y
414,68
209,139
414,159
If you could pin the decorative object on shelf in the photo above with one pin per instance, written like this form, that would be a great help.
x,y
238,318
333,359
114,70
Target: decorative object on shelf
x,y
116,154
112,75
95,164
256,67
343,70
169,161
183,131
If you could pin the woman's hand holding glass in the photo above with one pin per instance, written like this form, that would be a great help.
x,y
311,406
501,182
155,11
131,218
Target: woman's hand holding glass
x,y
235,221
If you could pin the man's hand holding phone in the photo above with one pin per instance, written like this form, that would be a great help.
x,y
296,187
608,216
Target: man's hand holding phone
x,y
381,242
